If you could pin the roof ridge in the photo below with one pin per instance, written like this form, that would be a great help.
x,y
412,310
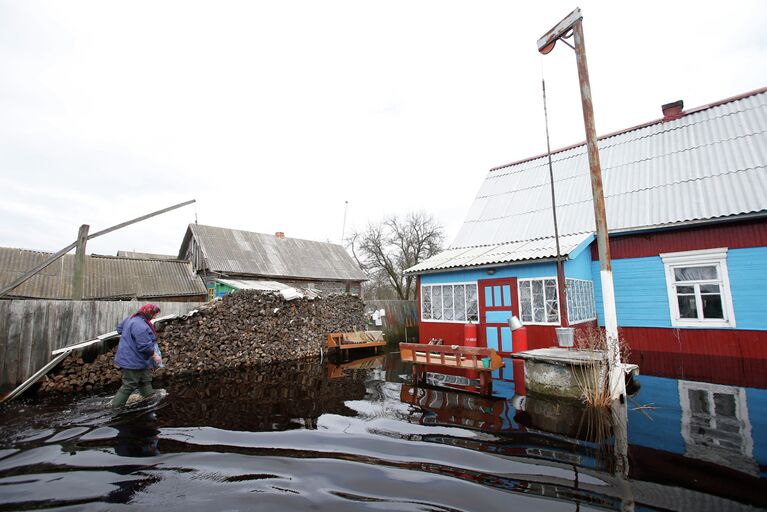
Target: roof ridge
x,y
268,234
685,113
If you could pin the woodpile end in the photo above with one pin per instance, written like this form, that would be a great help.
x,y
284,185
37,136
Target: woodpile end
x,y
244,329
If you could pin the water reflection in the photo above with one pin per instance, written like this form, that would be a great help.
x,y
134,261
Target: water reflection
x,y
351,435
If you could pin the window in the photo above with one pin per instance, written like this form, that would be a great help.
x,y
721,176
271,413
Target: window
x,y
699,288
449,302
580,301
538,302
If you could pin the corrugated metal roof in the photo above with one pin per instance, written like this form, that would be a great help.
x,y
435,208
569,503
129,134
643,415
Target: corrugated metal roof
x,y
145,255
105,276
542,248
232,251
708,164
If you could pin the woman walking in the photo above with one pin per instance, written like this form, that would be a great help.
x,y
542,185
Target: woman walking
x,y
136,354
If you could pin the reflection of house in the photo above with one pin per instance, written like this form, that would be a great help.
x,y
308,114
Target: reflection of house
x,y
716,426
677,429
105,277
686,200
221,253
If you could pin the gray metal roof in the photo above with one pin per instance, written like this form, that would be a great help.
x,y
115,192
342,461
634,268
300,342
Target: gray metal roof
x,y
708,164
540,249
231,251
145,255
105,276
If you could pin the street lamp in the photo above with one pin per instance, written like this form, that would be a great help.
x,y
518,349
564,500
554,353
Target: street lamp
x,y
572,26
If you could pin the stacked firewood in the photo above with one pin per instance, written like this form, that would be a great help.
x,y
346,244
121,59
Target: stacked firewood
x,y
244,329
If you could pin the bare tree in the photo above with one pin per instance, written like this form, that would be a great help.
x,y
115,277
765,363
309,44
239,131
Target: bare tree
x,y
386,249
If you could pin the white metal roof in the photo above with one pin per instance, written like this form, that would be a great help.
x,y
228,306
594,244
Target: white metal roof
x,y
542,248
709,163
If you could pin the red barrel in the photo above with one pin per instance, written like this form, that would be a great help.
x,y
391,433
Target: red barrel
x,y
470,335
519,340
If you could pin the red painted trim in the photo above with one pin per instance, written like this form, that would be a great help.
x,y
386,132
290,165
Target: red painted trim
x,y
734,357
734,235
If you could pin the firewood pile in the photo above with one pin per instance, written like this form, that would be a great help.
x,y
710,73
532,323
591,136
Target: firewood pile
x,y
244,329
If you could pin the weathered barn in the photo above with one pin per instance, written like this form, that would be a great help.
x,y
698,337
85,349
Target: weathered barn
x,y
105,277
222,253
686,201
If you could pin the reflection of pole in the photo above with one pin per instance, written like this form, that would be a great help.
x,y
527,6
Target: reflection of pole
x,y
616,383
620,431
563,320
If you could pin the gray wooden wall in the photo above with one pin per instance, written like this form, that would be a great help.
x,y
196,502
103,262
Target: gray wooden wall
x,y
31,329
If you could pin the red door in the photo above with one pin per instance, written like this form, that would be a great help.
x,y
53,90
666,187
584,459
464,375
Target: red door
x,y
497,303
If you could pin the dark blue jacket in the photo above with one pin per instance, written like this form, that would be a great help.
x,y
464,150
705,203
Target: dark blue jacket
x,y
136,344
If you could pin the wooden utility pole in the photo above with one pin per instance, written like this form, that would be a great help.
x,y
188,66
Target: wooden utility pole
x,y
572,25
78,278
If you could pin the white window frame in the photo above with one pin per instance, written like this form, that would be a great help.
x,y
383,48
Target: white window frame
x,y
568,290
519,298
465,304
704,257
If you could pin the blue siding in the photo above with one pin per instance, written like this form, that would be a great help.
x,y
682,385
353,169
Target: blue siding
x,y
641,298
580,267
748,281
547,269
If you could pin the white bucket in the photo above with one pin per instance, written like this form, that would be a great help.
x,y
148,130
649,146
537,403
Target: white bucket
x,y
565,336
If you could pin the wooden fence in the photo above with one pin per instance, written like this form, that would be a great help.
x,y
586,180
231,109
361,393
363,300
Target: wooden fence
x,y
400,322
31,329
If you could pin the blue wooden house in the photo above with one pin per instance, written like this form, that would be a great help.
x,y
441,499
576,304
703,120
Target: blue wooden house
x,y
686,201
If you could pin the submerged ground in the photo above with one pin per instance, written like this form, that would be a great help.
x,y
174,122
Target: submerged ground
x,y
357,436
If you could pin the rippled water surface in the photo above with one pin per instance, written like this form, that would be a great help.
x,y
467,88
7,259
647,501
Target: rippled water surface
x,y
358,436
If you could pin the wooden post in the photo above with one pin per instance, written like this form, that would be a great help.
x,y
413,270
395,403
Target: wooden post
x,y
617,385
78,279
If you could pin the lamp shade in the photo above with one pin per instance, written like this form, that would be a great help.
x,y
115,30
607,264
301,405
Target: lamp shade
x,y
515,323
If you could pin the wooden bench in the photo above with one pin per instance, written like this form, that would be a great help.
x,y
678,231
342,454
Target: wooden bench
x,y
480,359
353,340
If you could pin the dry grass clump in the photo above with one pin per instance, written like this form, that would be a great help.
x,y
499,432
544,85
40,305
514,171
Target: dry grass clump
x,y
593,379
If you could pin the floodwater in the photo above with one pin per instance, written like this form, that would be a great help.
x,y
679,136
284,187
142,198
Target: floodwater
x,y
358,436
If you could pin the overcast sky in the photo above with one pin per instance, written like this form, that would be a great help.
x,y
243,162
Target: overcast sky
x,y
273,114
